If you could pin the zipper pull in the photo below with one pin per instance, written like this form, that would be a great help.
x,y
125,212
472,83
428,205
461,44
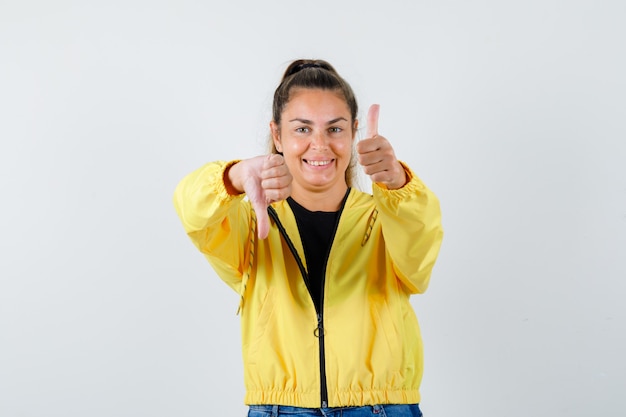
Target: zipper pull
x,y
319,330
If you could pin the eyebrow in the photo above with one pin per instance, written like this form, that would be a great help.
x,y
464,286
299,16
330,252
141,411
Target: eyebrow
x,y
305,121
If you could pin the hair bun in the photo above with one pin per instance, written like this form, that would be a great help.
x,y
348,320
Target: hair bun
x,y
309,65
293,69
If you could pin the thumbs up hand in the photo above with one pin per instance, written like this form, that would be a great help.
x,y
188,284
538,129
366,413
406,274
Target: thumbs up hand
x,y
265,179
377,157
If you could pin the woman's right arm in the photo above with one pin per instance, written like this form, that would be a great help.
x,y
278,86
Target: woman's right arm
x,y
215,218
209,203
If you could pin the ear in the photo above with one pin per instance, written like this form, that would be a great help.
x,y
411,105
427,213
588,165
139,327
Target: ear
x,y
355,128
276,136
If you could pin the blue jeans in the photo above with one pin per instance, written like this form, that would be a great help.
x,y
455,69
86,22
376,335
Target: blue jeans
x,y
394,410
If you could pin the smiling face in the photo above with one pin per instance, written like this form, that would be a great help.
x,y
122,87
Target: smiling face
x,y
315,136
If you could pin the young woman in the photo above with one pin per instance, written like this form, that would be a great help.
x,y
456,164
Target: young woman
x,y
324,270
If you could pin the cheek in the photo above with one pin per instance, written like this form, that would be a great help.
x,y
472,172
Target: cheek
x,y
293,148
343,146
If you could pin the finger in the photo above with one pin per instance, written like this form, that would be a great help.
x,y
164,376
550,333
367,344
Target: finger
x,y
275,187
273,160
372,120
368,145
273,167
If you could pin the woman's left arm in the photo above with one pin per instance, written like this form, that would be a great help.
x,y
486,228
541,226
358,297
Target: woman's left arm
x,y
411,225
408,211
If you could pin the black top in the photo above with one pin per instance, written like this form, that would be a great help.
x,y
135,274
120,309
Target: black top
x,y
316,231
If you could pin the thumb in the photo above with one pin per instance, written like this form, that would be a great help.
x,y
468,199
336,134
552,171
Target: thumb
x,y
256,195
372,120
262,219
261,203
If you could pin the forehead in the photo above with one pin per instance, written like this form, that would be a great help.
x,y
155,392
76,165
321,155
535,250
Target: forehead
x,y
318,102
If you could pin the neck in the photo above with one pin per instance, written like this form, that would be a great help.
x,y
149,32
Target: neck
x,y
328,200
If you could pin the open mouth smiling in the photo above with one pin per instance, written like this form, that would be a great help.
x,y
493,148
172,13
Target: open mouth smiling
x,y
318,163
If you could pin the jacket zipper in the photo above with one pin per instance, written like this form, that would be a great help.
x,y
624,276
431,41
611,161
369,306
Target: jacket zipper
x,y
320,336
319,330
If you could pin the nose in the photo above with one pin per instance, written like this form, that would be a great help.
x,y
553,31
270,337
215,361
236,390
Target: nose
x,y
319,141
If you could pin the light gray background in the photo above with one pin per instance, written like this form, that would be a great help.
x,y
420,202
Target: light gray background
x,y
513,112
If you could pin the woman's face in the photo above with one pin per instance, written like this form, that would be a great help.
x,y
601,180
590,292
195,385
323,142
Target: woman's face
x,y
315,136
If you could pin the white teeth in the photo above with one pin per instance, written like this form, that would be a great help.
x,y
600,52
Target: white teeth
x,y
318,163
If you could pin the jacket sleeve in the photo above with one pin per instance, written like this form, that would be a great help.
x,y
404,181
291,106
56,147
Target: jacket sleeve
x,y
216,221
411,225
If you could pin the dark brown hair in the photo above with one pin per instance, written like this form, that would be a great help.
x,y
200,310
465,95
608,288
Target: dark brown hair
x,y
314,74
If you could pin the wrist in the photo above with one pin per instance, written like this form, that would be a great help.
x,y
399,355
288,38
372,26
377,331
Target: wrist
x,y
232,178
401,180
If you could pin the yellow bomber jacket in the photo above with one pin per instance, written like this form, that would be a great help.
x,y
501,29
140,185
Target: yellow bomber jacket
x,y
364,347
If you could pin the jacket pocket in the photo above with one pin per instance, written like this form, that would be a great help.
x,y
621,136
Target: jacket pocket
x,y
387,337
261,326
